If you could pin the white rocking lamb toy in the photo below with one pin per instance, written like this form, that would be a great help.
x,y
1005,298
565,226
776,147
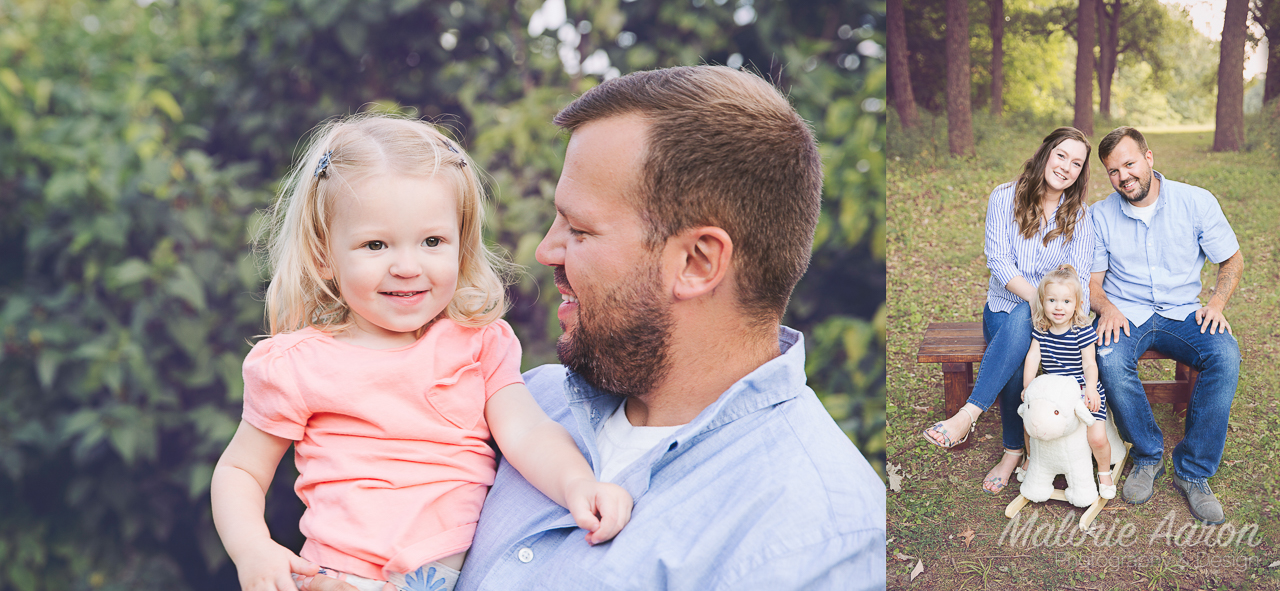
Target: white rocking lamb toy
x,y
1056,417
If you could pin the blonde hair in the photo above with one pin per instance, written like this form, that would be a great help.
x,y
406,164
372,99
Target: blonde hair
x,y
1066,275
297,231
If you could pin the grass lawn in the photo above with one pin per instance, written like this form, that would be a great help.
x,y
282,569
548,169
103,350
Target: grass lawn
x,y
941,516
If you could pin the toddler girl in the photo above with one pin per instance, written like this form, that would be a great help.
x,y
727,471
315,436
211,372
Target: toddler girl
x,y
388,369
1063,340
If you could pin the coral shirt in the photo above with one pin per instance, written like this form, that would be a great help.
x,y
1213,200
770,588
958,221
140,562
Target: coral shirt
x,y
392,448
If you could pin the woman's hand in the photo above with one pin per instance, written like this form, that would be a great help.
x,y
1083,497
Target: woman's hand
x,y
601,508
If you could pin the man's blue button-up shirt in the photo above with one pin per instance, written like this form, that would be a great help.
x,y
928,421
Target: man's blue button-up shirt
x,y
1156,269
760,491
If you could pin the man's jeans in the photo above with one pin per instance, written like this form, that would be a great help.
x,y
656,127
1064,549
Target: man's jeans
x,y
1216,356
1008,337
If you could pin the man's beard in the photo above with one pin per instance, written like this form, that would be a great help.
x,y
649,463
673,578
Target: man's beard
x,y
620,343
1144,187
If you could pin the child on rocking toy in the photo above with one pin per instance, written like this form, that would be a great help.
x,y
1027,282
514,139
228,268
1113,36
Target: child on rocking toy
x,y
1063,340
388,370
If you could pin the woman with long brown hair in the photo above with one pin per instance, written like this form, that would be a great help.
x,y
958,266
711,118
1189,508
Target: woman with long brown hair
x,y
1034,224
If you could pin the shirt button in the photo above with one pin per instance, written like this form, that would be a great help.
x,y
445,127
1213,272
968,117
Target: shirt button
x,y
525,554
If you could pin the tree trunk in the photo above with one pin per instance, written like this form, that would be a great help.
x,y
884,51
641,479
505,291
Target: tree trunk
x,y
1270,19
959,117
1109,50
904,101
1228,135
1086,38
997,57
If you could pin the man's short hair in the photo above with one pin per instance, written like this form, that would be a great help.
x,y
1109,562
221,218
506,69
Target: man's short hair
x,y
1111,140
725,149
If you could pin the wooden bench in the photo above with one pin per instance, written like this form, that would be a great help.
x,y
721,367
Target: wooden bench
x,y
957,345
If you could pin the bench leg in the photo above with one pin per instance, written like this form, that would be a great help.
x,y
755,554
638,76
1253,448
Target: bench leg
x,y
1186,380
957,383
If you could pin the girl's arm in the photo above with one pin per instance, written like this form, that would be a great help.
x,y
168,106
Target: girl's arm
x,y
238,491
1032,364
546,455
1090,367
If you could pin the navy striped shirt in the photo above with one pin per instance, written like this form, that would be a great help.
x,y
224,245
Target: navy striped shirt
x,y
1010,255
1060,354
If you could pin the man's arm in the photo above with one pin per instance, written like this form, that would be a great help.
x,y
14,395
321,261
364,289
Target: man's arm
x,y
1110,319
1211,315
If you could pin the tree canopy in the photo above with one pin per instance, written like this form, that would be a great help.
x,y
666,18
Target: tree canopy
x,y
1164,70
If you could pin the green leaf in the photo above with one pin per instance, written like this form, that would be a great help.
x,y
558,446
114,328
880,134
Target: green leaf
x,y
66,185
11,81
131,271
79,422
164,101
47,366
125,441
186,286
201,475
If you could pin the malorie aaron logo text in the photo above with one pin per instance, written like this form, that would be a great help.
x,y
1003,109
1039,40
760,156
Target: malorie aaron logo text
x,y
1036,534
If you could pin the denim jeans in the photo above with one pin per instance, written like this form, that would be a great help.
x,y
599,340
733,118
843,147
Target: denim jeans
x,y
1216,356
1008,337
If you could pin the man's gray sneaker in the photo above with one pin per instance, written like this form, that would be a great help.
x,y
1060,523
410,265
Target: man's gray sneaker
x,y
1141,482
1204,505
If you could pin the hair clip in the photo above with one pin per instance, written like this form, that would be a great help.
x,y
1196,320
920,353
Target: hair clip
x,y
446,143
324,164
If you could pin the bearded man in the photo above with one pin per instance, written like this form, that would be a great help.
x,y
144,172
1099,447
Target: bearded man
x,y
684,217
1152,237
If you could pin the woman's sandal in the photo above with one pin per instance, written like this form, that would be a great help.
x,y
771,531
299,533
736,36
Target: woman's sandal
x,y
946,442
1106,491
1001,482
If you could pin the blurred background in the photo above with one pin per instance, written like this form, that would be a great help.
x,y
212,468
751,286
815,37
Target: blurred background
x,y
140,139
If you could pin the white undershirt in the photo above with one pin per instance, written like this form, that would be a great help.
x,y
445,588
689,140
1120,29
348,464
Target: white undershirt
x,y
621,443
1143,213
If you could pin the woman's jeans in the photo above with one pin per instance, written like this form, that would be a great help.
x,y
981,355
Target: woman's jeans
x,y
1008,337
1216,356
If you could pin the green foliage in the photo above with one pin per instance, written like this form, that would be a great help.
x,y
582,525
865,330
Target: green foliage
x,y
139,139
1166,75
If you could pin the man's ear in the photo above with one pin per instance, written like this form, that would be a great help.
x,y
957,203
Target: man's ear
x,y
703,256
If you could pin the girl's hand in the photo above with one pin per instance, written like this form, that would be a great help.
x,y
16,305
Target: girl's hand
x,y
1024,394
601,508
269,566
1091,398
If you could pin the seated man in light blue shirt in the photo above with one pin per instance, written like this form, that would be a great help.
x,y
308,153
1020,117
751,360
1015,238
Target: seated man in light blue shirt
x,y
685,216
1153,236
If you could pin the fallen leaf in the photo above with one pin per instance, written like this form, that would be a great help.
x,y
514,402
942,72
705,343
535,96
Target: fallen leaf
x,y
915,572
1274,564
986,437
1115,508
920,408
895,477
967,535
